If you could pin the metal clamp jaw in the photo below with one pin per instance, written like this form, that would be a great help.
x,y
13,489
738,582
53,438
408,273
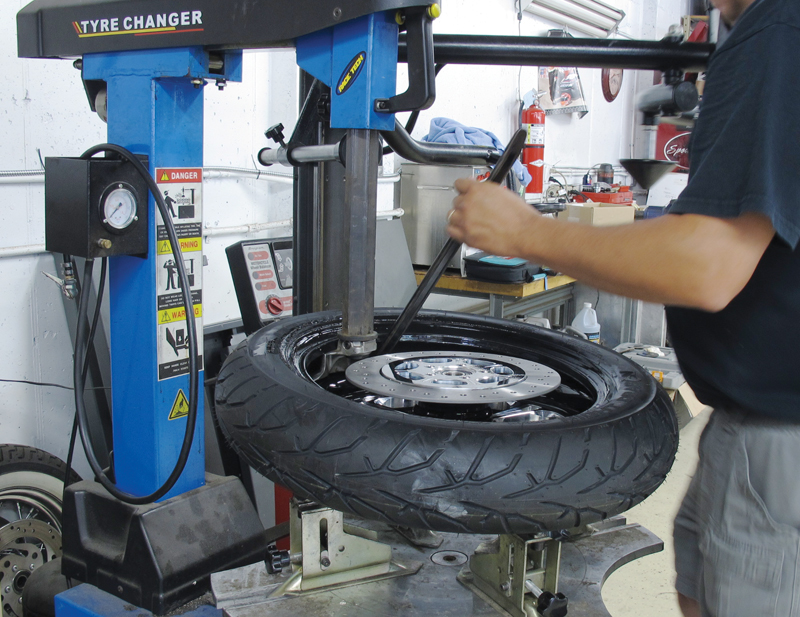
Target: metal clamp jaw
x,y
519,575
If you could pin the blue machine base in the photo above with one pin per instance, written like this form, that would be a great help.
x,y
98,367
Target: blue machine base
x,y
88,601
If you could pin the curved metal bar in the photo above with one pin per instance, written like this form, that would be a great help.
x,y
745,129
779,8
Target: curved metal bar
x,y
544,51
431,153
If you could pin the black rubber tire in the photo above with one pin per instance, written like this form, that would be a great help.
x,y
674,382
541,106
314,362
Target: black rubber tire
x,y
39,473
31,487
446,475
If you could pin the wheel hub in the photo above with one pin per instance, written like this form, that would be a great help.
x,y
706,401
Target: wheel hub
x,y
25,545
461,378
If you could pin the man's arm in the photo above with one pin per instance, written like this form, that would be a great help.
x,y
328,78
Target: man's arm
x,y
685,260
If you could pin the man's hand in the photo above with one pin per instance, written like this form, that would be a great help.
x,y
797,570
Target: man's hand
x,y
489,217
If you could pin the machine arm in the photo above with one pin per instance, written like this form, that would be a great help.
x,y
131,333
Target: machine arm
x,y
399,141
435,153
545,51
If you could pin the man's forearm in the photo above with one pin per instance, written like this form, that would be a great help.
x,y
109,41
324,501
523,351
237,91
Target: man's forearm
x,y
686,260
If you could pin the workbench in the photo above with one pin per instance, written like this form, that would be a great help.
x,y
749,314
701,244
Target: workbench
x,y
540,295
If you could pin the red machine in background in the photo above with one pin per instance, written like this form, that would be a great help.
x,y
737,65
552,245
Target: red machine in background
x,y
533,152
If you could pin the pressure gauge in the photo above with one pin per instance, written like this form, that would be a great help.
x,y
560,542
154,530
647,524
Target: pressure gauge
x,y
118,207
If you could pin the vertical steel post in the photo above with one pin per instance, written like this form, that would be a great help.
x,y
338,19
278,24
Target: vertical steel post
x,y
307,219
361,195
332,278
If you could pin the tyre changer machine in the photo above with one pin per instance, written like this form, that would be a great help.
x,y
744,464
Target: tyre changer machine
x,y
144,63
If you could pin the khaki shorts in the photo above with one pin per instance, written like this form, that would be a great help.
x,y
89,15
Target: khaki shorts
x,y
737,533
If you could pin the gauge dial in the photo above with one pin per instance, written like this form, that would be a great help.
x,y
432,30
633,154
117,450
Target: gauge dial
x,y
119,208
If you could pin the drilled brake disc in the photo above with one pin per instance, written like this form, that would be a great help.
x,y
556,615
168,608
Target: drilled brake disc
x,y
456,378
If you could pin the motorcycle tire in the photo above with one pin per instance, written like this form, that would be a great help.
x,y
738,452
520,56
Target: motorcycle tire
x,y
611,446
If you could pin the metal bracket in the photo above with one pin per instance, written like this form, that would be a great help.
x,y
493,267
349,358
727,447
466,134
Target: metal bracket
x,y
330,553
510,570
421,72
325,554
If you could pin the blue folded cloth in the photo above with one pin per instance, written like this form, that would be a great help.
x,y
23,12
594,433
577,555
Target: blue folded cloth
x,y
447,131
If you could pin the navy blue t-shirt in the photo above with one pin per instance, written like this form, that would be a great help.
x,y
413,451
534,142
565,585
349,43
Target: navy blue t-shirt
x,y
745,157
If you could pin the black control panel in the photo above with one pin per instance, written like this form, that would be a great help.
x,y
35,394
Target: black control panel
x,y
263,277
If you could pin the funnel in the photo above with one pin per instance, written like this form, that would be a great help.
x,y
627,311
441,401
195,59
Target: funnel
x,y
647,172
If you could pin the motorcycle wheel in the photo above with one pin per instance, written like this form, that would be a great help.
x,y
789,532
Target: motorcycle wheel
x,y
593,447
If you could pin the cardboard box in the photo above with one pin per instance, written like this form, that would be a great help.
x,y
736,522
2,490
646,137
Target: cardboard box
x,y
598,214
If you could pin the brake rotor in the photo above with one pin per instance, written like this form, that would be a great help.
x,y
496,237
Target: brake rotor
x,y
466,378
25,545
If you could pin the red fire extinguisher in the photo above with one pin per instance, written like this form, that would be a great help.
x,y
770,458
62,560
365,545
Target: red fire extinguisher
x,y
533,153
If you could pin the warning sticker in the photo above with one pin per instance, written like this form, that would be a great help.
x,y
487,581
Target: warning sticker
x,y
180,408
182,190
187,245
173,347
179,175
178,314
188,230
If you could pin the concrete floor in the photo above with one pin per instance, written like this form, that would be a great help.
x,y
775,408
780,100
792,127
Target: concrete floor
x,y
645,587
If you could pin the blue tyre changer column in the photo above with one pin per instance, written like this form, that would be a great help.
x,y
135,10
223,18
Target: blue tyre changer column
x,y
155,107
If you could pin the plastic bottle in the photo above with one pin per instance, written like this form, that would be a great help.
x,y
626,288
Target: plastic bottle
x,y
586,321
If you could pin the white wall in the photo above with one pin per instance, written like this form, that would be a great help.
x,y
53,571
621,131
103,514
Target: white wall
x,y
43,110
488,96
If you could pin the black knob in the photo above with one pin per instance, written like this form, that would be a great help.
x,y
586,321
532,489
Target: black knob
x,y
277,560
552,605
275,133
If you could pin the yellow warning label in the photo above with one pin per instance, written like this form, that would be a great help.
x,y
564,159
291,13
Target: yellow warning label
x,y
188,245
178,314
180,408
164,177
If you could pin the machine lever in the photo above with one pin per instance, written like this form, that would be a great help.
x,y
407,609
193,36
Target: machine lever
x,y
421,74
447,253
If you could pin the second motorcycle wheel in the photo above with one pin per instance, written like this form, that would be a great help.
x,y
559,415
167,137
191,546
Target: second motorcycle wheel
x,y
31,487
474,425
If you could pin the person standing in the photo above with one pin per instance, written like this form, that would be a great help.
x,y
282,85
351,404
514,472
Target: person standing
x,y
726,264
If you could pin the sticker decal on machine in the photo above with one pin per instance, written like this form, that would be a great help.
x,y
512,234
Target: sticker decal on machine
x,y
351,73
182,190
180,408
140,25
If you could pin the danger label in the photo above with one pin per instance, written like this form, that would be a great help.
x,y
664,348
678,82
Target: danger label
x,y
180,408
172,176
182,191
